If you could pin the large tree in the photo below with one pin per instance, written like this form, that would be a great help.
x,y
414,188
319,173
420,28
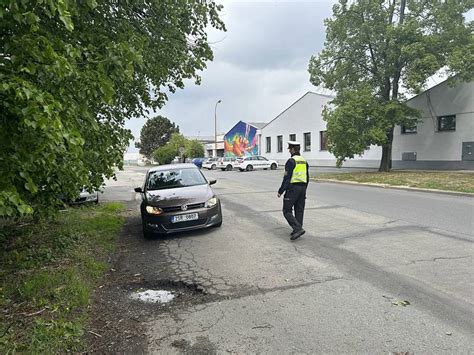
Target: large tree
x,y
72,72
155,133
377,49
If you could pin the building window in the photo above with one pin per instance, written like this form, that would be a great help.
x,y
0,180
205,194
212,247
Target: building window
x,y
269,145
292,137
280,144
447,123
408,129
323,140
307,142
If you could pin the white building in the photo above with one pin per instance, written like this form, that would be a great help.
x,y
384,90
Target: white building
x,y
134,158
303,122
210,145
444,137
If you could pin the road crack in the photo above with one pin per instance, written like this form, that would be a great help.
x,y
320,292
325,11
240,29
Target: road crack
x,y
438,258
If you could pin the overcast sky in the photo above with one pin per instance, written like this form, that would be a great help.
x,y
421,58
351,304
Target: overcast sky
x,y
259,68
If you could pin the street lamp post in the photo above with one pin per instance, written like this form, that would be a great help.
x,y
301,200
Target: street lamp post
x,y
215,128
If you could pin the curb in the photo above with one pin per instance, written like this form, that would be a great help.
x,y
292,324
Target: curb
x,y
395,187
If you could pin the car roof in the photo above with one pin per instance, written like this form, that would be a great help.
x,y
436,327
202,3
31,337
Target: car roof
x,y
173,166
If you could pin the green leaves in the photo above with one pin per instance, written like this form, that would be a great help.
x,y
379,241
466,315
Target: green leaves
x,y
92,4
71,73
155,133
166,153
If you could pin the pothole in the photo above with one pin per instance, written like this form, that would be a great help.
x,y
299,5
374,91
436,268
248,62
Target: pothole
x,y
153,296
168,293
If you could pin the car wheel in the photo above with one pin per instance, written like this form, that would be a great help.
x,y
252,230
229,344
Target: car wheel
x,y
217,225
249,168
273,166
229,167
213,166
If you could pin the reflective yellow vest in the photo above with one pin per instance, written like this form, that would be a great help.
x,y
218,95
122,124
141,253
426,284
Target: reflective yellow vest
x,y
300,172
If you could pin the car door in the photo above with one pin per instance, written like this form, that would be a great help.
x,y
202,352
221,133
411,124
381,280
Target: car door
x,y
257,164
263,162
249,161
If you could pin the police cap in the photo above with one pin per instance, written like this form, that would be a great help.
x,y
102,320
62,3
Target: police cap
x,y
293,144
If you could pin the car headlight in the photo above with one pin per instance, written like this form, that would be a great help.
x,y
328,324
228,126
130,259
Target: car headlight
x,y
211,202
154,210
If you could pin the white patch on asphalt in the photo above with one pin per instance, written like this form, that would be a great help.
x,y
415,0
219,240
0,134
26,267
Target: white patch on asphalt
x,y
153,296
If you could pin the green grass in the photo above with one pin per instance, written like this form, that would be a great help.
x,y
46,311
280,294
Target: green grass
x,y
447,181
47,273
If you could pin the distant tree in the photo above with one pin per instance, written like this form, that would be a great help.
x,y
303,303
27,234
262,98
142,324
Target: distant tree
x,y
375,48
72,72
165,154
155,133
194,149
190,149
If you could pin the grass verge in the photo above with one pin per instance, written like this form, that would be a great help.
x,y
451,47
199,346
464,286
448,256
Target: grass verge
x,y
446,181
47,273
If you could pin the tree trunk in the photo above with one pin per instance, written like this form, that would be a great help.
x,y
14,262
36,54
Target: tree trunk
x,y
386,161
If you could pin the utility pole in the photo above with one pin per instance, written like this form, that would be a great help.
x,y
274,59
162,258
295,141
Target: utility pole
x,y
215,128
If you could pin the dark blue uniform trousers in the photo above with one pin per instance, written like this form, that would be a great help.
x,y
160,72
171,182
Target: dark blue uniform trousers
x,y
295,196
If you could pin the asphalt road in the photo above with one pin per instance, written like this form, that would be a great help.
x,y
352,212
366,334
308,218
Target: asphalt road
x,y
378,271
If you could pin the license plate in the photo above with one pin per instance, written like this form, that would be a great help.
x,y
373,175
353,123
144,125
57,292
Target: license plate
x,y
184,217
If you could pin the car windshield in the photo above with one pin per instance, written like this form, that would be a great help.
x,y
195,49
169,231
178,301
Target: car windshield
x,y
169,179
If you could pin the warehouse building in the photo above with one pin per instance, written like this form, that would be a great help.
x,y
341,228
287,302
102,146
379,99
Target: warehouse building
x,y
442,139
444,136
303,122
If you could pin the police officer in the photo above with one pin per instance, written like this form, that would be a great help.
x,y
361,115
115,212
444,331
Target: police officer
x,y
294,186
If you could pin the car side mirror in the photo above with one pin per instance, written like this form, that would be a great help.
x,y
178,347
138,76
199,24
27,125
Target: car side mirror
x,y
212,182
138,189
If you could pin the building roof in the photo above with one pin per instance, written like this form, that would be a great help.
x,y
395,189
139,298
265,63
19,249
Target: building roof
x,y
206,139
445,81
294,103
257,124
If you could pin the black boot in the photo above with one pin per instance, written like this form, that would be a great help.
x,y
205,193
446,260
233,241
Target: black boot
x,y
297,234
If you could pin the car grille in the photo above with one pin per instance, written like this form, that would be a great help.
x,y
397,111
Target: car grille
x,y
197,222
178,208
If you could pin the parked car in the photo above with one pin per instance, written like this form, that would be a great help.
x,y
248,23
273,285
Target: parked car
x,y
255,162
210,163
84,197
176,198
226,163
198,162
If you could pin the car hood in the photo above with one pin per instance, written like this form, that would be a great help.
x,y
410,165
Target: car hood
x,y
179,196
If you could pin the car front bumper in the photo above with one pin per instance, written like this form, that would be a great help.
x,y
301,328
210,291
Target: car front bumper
x,y
162,224
86,197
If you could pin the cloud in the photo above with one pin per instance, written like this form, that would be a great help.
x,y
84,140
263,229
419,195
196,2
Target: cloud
x,y
271,34
259,68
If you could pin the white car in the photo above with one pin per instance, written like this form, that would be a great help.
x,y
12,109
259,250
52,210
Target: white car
x,y
255,162
85,197
210,163
226,164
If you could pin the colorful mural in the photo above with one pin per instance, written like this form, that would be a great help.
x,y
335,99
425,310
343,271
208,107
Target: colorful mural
x,y
241,141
